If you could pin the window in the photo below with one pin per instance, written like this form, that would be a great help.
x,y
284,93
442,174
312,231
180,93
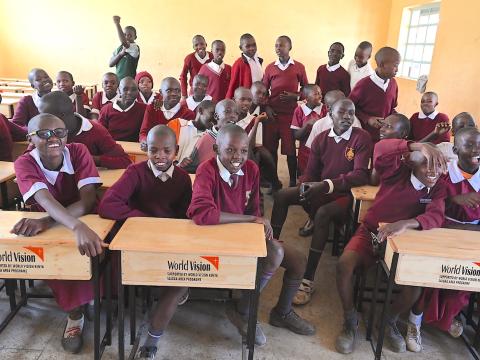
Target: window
x,y
417,39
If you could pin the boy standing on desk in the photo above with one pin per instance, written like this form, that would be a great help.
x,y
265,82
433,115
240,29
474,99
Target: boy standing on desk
x,y
155,188
226,190
411,196
61,180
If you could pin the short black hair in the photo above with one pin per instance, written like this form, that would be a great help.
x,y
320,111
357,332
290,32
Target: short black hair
x,y
405,121
338,43
131,28
66,73
464,132
365,45
286,38
306,89
246,36
199,36
218,42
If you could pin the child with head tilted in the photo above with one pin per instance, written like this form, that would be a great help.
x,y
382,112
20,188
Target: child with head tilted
x,y
61,180
332,76
227,190
108,95
359,67
27,107
199,92
124,117
193,62
9,132
80,101
411,196
375,96
338,161
125,57
460,121
217,72
155,188
144,82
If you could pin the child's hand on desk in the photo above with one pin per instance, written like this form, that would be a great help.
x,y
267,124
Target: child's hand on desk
x,y
31,227
78,89
442,128
396,228
267,227
471,200
88,241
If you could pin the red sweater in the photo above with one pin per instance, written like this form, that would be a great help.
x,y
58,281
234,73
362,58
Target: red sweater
x,y
419,128
345,163
212,195
191,65
97,102
397,199
241,75
277,81
333,80
9,132
370,100
217,84
139,193
154,117
123,125
25,110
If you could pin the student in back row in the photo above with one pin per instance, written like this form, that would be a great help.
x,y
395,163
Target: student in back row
x,y
125,57
464,119
360,67
109,94
199,93
332,76
76,93
217,72
144,82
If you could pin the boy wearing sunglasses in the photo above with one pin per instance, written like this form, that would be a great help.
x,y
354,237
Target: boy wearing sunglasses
x,y
61,180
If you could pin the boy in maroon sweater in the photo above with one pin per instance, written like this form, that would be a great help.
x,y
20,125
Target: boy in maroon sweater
x,y
193,62
108,95
429,125
155,188
80,101
283,79
124,117
226,190
411,196
217,72
27,107
375,97
332,76
247,68
338,161
104,150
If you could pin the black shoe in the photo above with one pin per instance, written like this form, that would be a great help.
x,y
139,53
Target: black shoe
x,y
307,229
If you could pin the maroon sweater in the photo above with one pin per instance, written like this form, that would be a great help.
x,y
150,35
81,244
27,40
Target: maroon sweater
x,y
123,125
241,75
9,132
139,193
333,80
397,199
25,110
217,83
422,127
191,65
370,100
345,163
212,195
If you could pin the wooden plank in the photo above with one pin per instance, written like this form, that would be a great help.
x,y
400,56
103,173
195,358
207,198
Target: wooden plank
x,y
12,95
8,105
133,150
7,172
110,176
366,192
19,148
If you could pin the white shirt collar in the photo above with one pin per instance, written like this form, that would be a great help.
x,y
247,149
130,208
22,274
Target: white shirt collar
x,y
169,114
377,80
255,67
118,108
36,98
307,111
192,104
243,123
345,136
149,100
162,175
72,97
86,124
200,60
52,175
225,174
105,99
284,67
432,116
217,69
417,184
456,175
333,67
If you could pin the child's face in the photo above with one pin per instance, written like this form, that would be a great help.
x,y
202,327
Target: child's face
x,y
244,101
232,151
51,147
145,85
392,128
227,114
206,117
199,88
427,175
335,54
110,85
129,35
428,103
282,48
161,151
342,114
314,97
200,46
128,91
65,83
361,56
467,148
388,69
42,82
249,47
171,93
218,51
259,94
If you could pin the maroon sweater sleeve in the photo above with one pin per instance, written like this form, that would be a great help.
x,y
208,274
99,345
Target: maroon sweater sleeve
x,y
315,163
114,204
387,156
184,75
148,122
355,96
17,132
234,79
21,114
253,207
434,214
112,155
346,84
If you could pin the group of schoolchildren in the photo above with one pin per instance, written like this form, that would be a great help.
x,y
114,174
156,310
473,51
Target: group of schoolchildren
x,y
224,123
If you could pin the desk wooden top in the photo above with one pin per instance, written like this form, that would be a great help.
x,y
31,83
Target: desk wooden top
x,y
14,95
110,176
131,147
7,171
178,236
441,242
365,193
10,101
57,234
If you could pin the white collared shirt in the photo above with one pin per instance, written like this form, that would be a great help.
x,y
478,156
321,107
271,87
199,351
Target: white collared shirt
x,y
357,74
307,111
456,175
377,80
187,138
333,67
200,60
431,116
113,100
51,175
118,108
149,100
133,50
345,136
417,184
36,98
284,67
243,123
169,114
192,104
86,124
162,175
217,69
225,174
324,124
255,67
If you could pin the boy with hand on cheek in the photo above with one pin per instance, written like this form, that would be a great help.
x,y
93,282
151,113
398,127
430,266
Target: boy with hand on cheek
x,y
108,95
76,93
125,57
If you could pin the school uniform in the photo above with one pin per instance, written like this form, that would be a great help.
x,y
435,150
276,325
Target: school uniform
x,y
421,125
154,117
143,100
325,123
247,124
373,96
204,146
245,71
77,171
187,136
279,78
219,77
99,100
333,77
401,196
85,101
26,109
191,104
9,133
123,125
301,115
192,64
144,191
215,190
127,65
357,74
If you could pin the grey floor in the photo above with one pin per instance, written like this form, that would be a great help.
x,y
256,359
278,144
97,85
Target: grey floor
x,y
200,329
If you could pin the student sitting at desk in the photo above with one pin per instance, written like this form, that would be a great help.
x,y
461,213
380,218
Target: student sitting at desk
x,y
155,188
61,180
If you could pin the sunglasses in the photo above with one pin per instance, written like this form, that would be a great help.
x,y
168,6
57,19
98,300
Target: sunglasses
x,y
47,133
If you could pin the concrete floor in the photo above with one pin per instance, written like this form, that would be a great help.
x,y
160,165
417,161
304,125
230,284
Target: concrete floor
x,y
200,329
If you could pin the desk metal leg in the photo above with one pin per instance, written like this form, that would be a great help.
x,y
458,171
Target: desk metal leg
x,y
96,306
252,314
371,319
356,215
4,191
108,301
132,309
121,310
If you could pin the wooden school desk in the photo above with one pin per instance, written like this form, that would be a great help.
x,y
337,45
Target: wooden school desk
x,y
133,150
437,258
19,148
185,254
53,255
8,105
7,173
14,95
363,197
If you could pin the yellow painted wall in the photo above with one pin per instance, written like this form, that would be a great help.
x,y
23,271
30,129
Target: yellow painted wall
x,y
80,36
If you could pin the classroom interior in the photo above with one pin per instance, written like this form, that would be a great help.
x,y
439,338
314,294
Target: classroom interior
x,y
56,35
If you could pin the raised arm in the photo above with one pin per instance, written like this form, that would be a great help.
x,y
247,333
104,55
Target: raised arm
x,y
120,33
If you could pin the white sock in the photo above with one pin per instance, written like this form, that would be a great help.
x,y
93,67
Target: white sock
x,y
415,319
72,324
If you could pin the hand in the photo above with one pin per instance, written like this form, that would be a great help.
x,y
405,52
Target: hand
x,y
123,52
157,104
375,122
78,90
261,118
471,200
312,190
31,227
185,162
116,19
287,96
267,227
442,128
396,228
88,241
143,146
435,158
